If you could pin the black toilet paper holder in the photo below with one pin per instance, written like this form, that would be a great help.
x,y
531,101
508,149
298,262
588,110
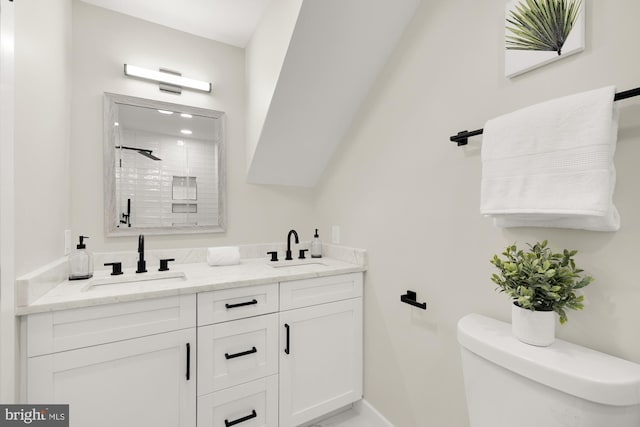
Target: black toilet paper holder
x,y
410,298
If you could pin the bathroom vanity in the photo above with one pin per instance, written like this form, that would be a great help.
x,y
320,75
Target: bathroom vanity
x,y
222,346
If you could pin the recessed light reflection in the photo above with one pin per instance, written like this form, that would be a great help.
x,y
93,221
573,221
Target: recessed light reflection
x,y
165,112
186,131
116,124
185,115
180,143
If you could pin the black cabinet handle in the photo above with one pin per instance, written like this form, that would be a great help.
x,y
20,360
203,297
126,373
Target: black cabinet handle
x,y
228,423
241,304
287,348
244,353
188,361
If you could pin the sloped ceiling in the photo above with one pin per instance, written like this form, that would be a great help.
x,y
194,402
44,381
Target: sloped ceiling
x,y
336,51
226,21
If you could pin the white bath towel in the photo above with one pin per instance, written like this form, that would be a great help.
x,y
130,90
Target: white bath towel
x,y
223,255
551,164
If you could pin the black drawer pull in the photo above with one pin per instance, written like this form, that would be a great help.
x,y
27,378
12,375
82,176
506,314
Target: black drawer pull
x,y
228,423
244,353
241,304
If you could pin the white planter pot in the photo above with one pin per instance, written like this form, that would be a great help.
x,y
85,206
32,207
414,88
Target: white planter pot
x,y
533,327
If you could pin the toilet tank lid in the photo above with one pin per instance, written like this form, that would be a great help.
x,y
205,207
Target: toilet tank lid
x,y
576,370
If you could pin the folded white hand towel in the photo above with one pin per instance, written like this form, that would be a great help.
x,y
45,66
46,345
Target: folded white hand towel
x,y
223,255
551,164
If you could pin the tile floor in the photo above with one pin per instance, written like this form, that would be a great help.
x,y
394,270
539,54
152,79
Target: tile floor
x,y
347,418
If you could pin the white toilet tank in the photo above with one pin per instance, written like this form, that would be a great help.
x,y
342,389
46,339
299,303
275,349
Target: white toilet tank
x,y
512,384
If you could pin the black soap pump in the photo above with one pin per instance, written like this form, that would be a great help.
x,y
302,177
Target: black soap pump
x,y
316,246
81,262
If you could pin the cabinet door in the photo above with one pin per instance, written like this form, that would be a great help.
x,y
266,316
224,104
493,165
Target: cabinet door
x,y
137,382
320,360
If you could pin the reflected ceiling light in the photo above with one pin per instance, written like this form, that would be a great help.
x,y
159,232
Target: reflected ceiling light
x,y
186,131
186,116
180,143
116,124
168,77
165,112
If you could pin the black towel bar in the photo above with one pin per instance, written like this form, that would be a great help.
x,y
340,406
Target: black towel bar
x,y
462,137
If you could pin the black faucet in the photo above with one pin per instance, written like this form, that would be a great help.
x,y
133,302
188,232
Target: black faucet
x,y
295,234
142,265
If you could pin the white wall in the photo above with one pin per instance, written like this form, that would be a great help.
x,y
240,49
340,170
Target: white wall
x,y
400,189
335,54
102,42
8,329
42,120
265,54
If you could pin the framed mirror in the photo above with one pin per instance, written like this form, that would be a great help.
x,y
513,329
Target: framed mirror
x,y
164,167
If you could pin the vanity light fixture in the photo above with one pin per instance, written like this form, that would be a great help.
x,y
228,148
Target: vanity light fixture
x,y
186,116
186,131
165,112
167,77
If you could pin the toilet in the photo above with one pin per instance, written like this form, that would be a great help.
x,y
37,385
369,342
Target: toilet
x,y
512,384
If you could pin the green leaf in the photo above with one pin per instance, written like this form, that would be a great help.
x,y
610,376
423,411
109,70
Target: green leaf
x,y
540,279
541,25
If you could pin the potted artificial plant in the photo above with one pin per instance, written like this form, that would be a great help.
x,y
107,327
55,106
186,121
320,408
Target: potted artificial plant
x,y
540,283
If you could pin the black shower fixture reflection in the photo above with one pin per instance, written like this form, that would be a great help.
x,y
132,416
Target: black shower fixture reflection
x,y
144,152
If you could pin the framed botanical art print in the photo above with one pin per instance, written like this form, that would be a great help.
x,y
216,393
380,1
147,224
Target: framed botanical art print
x,y
538,32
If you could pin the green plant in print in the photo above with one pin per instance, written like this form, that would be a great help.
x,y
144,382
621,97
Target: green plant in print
x,y
542,25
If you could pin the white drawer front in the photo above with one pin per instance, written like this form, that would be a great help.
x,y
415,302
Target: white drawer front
x,y
235,352
237,303
319,290
255,403
82,327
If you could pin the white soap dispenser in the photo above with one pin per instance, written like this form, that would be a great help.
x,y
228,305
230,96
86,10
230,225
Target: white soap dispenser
x,y
316,246
81,262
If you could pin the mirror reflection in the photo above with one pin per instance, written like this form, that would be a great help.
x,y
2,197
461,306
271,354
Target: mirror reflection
x,y
164,167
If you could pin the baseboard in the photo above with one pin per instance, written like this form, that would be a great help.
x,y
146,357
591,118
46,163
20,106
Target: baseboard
x,y
371,414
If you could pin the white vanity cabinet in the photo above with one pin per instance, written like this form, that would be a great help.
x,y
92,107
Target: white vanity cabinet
x,y
268,355
279,354
320,346
238,357
127,364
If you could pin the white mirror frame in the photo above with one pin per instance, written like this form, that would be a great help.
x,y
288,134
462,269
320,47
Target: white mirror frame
x,y
111,216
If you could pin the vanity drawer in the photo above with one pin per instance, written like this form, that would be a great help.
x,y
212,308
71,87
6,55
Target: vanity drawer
x,y
255,402
237,303
231,353
82,327
319,290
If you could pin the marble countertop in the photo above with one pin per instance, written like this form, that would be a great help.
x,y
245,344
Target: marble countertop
x,y
198,277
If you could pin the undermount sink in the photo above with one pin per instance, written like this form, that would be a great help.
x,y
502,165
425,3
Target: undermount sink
x,y
296,263
130,278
